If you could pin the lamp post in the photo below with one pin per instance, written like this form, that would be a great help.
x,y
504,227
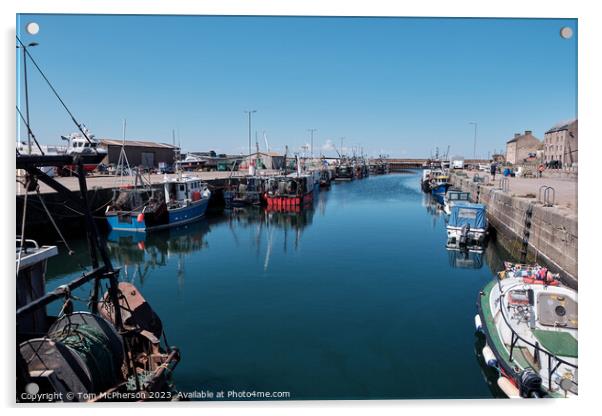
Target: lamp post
x,y
24,48
249,112
475,139
312,141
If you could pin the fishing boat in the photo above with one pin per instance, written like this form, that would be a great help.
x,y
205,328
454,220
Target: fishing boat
x,y
326,176
344,172
292,192
80,355
246,192
439,183
452,196
467,225
184,199
529,320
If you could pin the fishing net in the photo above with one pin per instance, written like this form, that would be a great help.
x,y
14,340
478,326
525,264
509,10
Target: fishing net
x,y
97,344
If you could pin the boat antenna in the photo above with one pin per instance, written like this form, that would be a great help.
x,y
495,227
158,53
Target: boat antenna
x,y
79,126
29,131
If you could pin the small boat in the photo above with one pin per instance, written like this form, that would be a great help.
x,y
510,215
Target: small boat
x,y
246,192
291,192
467,225
530,325
452,196
80,145
184,199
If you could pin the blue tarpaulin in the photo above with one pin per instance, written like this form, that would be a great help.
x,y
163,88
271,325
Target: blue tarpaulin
x,y
466,213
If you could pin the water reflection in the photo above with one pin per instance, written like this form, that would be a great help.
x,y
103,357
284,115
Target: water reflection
x,y
465,259
266,222
140,253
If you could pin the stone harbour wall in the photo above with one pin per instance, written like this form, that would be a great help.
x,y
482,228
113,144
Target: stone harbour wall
x,y
553,235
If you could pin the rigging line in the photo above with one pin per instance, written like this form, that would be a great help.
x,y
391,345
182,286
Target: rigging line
x,y
71,252
56,94
23,226
33,136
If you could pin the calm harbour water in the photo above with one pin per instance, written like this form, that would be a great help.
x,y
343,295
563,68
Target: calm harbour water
x,y
356,298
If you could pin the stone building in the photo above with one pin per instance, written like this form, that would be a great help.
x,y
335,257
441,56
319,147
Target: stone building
x,y
522,147
560,144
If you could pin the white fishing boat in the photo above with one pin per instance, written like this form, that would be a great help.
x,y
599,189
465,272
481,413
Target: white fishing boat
x,y
530,323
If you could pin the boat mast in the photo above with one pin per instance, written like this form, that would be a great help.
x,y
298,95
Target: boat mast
x,y
123,159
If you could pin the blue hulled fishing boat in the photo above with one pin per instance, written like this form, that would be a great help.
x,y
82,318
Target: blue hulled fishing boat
x,y
439,184
182,200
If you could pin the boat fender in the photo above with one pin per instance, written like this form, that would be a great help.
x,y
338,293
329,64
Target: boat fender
x,y
489,357
140,217
477,323
508,388
529,384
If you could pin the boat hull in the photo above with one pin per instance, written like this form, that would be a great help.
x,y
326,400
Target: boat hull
x,y
474,237
289,202
439,189
136,221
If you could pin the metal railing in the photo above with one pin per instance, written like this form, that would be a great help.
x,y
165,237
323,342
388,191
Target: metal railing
x,y
504,184
549,195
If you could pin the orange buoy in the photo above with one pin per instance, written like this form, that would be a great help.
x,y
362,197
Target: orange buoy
x,y
140,217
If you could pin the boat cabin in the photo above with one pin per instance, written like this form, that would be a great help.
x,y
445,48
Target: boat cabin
x,y
454,195
31,262
182,190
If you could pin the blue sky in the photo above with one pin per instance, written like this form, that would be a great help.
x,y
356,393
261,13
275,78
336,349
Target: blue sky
x,y
400,86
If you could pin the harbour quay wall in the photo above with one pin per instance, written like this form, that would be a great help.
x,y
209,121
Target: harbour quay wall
x,y
553,234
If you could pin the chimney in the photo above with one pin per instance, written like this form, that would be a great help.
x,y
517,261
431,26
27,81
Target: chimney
x,y
516,135
528,132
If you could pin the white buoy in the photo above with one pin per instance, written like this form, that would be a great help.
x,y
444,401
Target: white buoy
x,y
508,388
489,357
477,323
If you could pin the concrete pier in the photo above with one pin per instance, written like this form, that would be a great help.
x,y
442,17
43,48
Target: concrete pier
x,y
553,230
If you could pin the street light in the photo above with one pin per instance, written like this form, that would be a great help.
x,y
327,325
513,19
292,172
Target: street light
x,y
475,139
31,45
312,140
249,112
